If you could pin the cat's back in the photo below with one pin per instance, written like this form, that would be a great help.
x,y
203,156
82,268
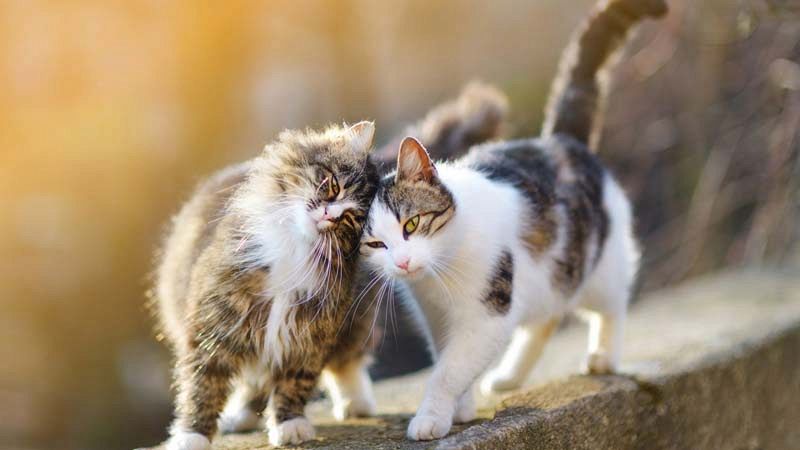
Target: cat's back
x,y
191,231
544,169
563,183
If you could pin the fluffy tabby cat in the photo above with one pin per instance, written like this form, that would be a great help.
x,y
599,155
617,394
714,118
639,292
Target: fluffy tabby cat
x,y
513,236
254,285
256,282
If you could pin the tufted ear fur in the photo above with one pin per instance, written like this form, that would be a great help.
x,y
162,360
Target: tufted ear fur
x,y
414,163
361,134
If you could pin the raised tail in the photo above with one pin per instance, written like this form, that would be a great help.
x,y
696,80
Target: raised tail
x,y
573,105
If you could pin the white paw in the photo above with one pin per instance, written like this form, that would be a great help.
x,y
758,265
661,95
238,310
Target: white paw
x,y
465,410
294,431
495,382
238,421
600,364
188,441
425,428
362,406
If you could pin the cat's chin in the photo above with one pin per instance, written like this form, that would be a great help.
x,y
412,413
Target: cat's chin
x,y
307,232
414,275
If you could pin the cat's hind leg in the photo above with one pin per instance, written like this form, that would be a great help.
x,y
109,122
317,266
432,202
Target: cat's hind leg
x,y
525,349
345,376
604,299
603,304
349,385
605,342
243,411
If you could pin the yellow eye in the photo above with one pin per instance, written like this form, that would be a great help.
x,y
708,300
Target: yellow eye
x,y
334,186
329,188
411,225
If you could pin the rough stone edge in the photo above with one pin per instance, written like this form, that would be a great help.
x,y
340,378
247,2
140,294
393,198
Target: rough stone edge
x,y
664,411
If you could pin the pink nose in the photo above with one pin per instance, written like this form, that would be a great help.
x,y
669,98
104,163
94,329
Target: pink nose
x,y
326,215
403,264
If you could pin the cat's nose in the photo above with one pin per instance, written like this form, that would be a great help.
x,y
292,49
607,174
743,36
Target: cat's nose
x,y
327,220
403,264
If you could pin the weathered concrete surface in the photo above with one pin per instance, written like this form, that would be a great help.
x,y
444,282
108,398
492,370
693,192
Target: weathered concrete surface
x,y
713,364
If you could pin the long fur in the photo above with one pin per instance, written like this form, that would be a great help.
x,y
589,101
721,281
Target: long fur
x,y
255,288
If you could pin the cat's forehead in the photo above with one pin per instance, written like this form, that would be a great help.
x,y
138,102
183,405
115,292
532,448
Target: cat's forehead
x,y
407,198
384,219
330,149
344,162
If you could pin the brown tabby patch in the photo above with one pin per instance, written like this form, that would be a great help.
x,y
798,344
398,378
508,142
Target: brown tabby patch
x,y
563,184
498,295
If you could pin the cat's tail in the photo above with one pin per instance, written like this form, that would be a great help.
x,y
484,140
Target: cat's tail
x,y
478,115
572,108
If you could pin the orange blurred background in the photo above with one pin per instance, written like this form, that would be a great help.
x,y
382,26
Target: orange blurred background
x,y
111,111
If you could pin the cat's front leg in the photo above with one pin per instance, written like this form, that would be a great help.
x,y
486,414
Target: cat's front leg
x,y
286,409
466,410
471,346
203,387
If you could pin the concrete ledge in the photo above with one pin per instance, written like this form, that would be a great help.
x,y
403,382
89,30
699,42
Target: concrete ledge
x,y
712,364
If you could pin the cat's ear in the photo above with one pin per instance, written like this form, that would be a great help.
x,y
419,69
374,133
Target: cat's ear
x,y
414,163
360,135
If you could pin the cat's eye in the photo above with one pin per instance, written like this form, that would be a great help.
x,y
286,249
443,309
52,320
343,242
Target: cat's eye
x,y
375,244
334,186
329,188
411,225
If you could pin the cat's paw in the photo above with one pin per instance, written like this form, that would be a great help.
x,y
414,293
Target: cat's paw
x,y
465,410
425,428
243,419
188,441
360,406
294,431
600,364
495,382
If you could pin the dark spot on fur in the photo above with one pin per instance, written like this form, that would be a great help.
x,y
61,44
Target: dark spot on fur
x,y
498,295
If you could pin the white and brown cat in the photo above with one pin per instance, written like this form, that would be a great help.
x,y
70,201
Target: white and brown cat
x,y
496,247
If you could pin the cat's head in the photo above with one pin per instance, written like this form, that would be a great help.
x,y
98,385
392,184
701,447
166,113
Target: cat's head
x,y
318,185
407,224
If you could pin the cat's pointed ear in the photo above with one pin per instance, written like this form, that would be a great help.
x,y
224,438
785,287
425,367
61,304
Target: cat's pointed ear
x,y
414,163
361,135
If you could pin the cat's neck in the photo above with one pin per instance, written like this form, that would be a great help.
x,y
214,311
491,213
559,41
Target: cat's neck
x,y
483,207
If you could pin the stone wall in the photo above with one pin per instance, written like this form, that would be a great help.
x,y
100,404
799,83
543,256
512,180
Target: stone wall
x,y
712,364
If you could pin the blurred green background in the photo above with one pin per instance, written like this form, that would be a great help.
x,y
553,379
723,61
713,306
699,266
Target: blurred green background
x,y
110,112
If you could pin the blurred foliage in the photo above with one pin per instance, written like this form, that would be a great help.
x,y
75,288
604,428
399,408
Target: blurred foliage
x,y
703,128
110,112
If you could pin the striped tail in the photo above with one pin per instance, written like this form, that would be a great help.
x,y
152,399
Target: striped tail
x,y
573,105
